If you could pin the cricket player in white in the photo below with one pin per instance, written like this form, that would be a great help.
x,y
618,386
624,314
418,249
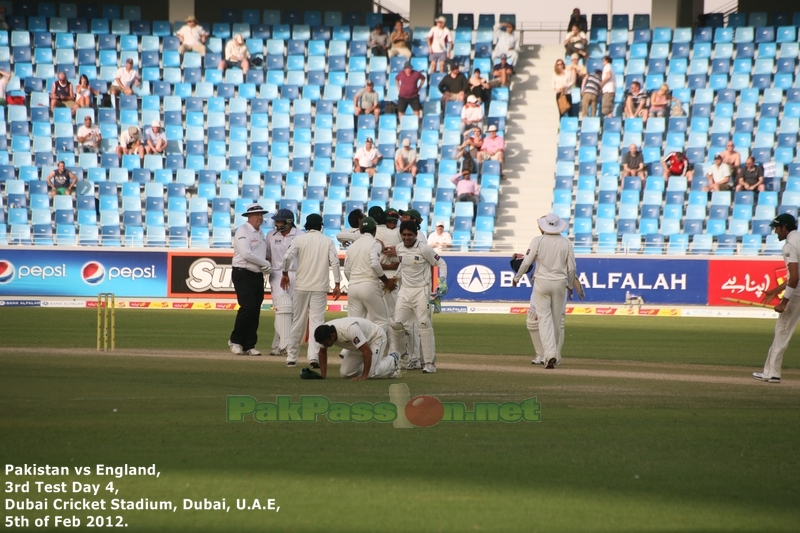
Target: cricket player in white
x,y
555,272
789,307
364,344
347,236
278,242
414,297
315,256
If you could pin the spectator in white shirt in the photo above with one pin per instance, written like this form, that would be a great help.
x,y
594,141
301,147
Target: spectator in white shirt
x,y
506,43
608,88
125,80
439,39
405,160
192,37
367,158
130,142
440,240
236,55
719,176
89,136
156,139
472,113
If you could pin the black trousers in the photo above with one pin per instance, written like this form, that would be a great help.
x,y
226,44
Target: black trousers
x,y
249,288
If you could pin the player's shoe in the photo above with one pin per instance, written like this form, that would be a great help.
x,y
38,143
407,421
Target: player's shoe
x,y
274,351
551,363
314,364
429,368
414,365
291,364
760,376
252,351
236,349
538,361
397,372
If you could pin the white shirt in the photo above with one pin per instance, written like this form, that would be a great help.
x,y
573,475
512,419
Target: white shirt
x,y
388,237
506,41
554,256
310,249
346,237
191,35
93,133
441,36
563,81
436,241
125,138
249,248
611,86
791,248
367,158
363,261
472,113
277,246
406,156
352,333
156,137
126,76
416,263
3,84
719,173
234,49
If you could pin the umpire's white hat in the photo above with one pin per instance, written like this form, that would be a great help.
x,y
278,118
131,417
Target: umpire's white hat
x,y
254,209
551,223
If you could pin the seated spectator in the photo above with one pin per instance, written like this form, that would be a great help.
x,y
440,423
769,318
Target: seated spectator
x,y
633,164
3,23
236,55
405,160
576,42
635,102
156,139
84,93
192,37
731,157
719,176
125,80
576,19
366,101
408,82
367,158
62,95
479,87
471,114
379,41
440,240
130,142
608,88
577,70
454,86
751,176
466,190
506,43
589,93
439,41
473,141
502,72
61,181
400,39
676,164
89,136
563,82
660,101
493,147
5,77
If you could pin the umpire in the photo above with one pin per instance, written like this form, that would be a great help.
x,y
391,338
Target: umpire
x,y
249,268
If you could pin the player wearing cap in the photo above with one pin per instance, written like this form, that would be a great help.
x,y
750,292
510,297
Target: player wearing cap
x,y
156,139
249,267
414,297
364,346
416,217
278,242
314,255
554,274
785,226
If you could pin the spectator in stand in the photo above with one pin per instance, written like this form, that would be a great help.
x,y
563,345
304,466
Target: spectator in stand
x,y
563,82
130,142
576,42
236,55
156,139
62,95
471,114
479,87
192,37
676,164
473,141
89,136
576,19
635,102
493,147
660,101
633,164
454,86
5,77
467,190
751,176
731,157
578,71
440,240
125,80
405,160
719,176
502,72
506,43
608,88
439,41
589,92
379,41
61,180
83,94
366,101
3,23
400,39
367,158
408,82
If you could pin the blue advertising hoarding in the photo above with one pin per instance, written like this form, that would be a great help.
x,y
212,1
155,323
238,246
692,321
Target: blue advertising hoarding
x,y
53,272
486,278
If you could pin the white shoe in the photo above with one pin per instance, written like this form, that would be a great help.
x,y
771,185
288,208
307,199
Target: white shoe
x,y
537,361
397,372
760,376
414,365
236,349
313,364
252,351
274,351
429,368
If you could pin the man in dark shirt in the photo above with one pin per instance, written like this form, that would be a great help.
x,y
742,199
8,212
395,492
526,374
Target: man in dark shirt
x,y
454,86
633,164
751,176
408,82
576,19
502,72
636,102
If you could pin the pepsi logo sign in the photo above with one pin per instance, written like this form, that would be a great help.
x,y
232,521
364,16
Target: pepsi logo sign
x,y
7,271
93,273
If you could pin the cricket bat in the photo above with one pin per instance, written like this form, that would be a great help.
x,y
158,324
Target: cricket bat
x,y
749,303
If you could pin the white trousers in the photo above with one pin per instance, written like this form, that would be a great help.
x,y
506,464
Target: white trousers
x,y
784,328
283,312
382,365
307,307
365,300
549,300
413,308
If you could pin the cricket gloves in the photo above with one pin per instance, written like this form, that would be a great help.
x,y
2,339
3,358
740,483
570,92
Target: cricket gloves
x,y
441,289
307,373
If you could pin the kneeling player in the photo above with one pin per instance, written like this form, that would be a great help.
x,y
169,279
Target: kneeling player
x,y
364,343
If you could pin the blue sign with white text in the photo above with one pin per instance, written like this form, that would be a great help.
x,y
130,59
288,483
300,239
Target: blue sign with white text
x,y
82,273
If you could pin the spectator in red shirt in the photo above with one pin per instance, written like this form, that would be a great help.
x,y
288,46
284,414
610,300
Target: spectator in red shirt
x,y
676,164
409,82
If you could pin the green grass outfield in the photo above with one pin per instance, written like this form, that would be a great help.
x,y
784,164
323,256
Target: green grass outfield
x,y
651,424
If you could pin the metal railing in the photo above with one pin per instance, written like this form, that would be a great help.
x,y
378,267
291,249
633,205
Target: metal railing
x,y
381,6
